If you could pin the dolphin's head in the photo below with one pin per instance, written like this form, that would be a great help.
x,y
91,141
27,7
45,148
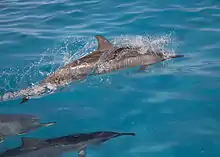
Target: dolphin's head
x,y
153,56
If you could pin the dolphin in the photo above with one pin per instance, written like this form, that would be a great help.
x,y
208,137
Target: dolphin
x,y
55,147
105,59
19,124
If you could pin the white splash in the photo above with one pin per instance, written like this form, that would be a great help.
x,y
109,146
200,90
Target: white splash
x,y
147,42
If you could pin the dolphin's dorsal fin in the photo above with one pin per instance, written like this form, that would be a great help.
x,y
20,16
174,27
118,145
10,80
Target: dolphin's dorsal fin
x,y
103,44
30,142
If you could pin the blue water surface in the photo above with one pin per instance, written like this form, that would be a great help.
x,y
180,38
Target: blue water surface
x,y
173,107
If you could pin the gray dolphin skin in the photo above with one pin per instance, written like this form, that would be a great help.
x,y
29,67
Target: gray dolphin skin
x,y
19,124
105,59
55,147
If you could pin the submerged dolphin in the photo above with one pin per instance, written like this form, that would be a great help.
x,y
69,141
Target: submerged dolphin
x,y
55,147
106,58
18,124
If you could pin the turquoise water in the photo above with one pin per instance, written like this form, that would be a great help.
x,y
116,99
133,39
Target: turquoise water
x,y
173,107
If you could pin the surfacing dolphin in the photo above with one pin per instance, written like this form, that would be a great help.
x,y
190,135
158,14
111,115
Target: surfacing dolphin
x,y
19,124
105,59
55,147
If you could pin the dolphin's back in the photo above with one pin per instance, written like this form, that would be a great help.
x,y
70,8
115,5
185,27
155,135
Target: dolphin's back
x,y
76,70
73,139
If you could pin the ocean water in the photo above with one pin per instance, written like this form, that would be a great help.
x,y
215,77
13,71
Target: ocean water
x,y
173,107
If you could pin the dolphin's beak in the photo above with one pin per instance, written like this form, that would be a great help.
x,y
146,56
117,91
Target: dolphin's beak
x,y
172,56
176,56
124,134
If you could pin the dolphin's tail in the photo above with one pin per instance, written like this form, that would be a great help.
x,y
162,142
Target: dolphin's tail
x,y
25,94
12,96
8,96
